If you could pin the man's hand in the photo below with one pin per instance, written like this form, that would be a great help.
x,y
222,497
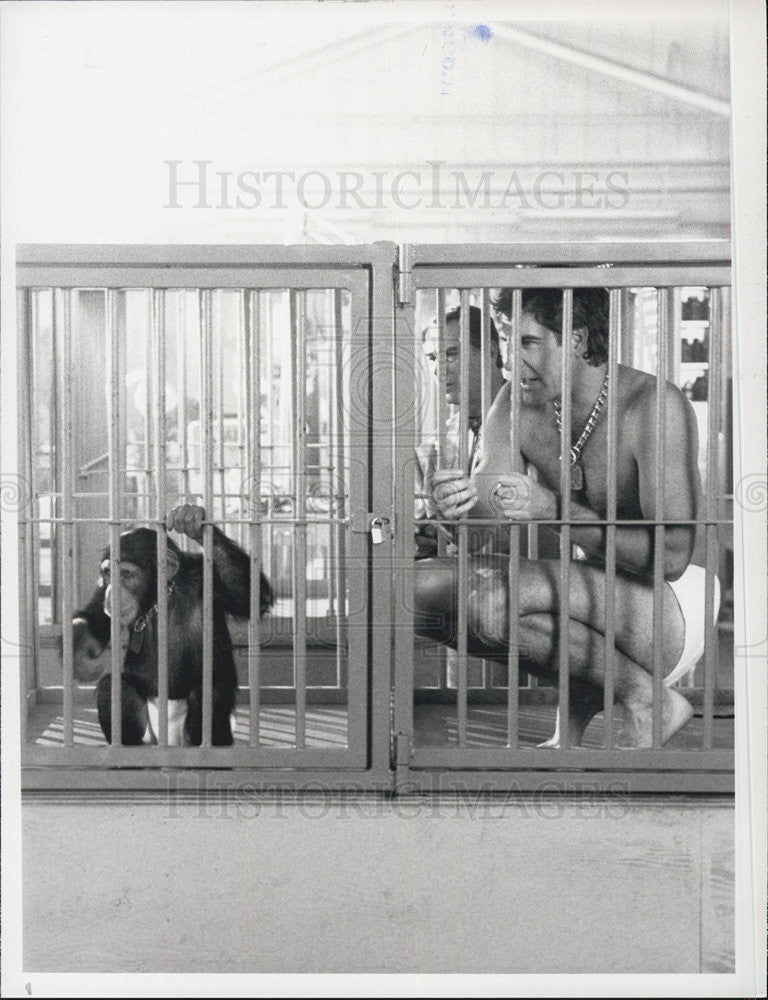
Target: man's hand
x,y
520,498
453,493
187,520
426,540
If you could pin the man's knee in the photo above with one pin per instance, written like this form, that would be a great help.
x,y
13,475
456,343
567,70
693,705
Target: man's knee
x,y
434,598
488,613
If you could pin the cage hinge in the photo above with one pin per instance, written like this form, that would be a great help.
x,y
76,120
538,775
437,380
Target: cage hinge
x,y
404,272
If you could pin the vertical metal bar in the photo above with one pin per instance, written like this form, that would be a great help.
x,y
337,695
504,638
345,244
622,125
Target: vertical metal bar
x,y
674,343
28,605
161,461
513,579
114,409
331,462
55,462
39,384
252,332
533,529
269,368
662,336
68,513
379,319
299,463
338,480
242,362
217,304
181,385
441,366
122,361
405,386
565,530
149,359
440,454
711,506
726,367
485,404
368,568
627,327
616,298
35,390
463,562
485,356
206,441
533,545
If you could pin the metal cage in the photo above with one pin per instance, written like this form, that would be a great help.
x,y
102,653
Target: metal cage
x,y
286,388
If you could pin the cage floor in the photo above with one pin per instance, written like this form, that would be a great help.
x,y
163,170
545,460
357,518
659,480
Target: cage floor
x,y
437,726
326,726
434,725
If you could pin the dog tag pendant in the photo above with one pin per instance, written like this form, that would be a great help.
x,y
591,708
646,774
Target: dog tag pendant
x,y
577,477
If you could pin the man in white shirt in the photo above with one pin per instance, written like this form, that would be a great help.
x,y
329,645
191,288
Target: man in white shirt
x,y
427,452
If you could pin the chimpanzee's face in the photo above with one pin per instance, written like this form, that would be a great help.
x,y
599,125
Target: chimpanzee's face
x,y
134,587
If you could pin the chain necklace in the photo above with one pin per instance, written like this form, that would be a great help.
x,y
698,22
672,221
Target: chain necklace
x,y
141,623
577,470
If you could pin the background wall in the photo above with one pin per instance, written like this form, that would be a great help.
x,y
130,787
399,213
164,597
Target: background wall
x,y
557,103
369,885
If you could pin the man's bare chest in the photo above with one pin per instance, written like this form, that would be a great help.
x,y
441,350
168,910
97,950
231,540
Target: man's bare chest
x,y
540,445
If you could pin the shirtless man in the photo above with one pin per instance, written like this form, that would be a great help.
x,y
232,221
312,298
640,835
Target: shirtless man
x,y
499,487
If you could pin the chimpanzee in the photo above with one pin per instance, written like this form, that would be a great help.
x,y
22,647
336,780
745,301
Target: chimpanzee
x,y
138,611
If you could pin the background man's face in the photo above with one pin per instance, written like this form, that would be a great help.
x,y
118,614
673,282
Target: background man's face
x,y
452,367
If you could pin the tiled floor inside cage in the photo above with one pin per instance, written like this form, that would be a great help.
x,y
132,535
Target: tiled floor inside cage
x,y
326,726
437,725
434,726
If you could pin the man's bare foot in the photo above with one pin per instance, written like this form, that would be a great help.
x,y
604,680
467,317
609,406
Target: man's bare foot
x,y
578,721
676,712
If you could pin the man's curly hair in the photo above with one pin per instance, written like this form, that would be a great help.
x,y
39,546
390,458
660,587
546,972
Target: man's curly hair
x,y
590,312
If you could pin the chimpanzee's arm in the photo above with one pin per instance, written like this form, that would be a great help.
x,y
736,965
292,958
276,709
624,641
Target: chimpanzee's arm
x,y
232,578
232,566
90,638
93,615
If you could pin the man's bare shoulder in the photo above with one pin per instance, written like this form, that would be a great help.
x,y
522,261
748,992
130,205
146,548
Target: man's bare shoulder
x,y
497,421
637,401
502,398
498,414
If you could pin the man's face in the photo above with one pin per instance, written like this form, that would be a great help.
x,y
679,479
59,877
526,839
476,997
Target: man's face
x,y
452,367
541,362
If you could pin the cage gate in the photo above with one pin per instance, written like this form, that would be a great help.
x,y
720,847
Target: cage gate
x,y
237,379
469,723
286,390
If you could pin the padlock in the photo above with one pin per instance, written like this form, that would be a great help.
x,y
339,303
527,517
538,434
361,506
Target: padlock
x,y
377,530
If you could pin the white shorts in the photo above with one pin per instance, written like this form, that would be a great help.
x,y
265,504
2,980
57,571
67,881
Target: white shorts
x,y
690,593
177,716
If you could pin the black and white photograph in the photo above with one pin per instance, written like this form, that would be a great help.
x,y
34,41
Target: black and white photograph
x,y
383,498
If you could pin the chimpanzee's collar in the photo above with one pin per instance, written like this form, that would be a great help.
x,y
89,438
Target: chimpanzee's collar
x,y
140,625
